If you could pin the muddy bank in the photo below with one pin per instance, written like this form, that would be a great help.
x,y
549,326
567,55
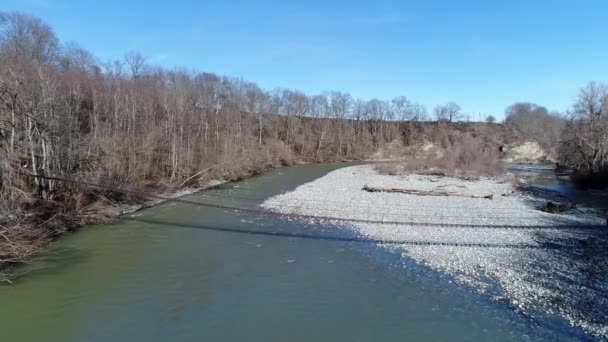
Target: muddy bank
x,y
542,262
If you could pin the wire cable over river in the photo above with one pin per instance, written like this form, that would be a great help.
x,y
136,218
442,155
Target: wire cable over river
x,y
317,217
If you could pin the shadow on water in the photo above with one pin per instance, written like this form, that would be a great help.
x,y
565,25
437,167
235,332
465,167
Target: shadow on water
x,y
542,193
566,250
53,260
327,237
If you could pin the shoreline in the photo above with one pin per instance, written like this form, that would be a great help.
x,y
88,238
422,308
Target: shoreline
x,y
104,214
74,221
130,208
524,262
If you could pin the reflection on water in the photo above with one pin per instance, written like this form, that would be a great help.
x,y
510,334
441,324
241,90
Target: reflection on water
x,y
181,272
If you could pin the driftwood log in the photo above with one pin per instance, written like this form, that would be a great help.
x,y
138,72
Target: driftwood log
x,y
556,207
425,192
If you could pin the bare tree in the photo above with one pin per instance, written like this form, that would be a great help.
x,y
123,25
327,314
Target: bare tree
x,y
136,63
258,103
340,104
27,38
403,108
449,112
74,57
535,123
419,112
490,119
585,141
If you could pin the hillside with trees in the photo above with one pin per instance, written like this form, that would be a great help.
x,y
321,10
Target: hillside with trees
x,y
65,114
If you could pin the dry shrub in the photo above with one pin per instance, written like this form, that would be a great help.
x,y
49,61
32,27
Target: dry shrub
x,y
19,241
101,211
388,169
23,237
472,158
279,153
466,158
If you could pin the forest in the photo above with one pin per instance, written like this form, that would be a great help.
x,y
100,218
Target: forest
x,y
130,123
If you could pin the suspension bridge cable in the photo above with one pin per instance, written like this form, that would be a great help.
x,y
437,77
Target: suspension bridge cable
x,y
318,217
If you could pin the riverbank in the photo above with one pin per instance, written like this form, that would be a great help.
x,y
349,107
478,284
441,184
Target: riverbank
x,y
542,262
158,270
22,237
26,236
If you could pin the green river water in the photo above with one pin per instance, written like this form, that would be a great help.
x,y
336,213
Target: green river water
x,y
180,272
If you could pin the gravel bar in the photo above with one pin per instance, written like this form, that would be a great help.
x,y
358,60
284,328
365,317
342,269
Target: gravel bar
x,y
554,268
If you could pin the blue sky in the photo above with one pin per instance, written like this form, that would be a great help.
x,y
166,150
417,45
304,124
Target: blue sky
x,y
484,55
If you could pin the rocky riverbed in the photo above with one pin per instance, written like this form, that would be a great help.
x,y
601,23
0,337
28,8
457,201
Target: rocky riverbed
x,y
555,264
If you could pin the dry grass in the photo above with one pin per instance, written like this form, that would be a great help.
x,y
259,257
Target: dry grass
x,y
17,242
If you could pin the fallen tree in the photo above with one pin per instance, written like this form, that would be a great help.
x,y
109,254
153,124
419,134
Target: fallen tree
x,y
425,192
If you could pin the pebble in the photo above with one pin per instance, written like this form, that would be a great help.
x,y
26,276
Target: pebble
x,y
536,277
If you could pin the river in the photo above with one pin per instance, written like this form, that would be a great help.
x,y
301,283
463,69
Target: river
x,y
180,272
